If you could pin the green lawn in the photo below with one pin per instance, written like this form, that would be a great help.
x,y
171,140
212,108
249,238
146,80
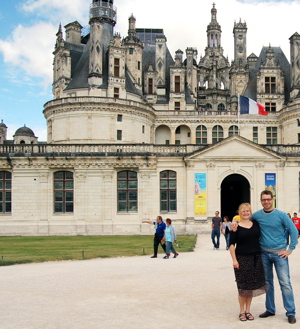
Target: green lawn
x,y
18,250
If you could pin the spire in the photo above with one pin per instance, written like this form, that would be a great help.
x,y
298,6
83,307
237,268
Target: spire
x,y
214,30
59,37
132,21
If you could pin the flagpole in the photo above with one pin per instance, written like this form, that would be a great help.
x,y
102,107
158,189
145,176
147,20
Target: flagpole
x,y
238,114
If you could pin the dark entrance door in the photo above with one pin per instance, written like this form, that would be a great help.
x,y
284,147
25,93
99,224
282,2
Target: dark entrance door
x,y
235,189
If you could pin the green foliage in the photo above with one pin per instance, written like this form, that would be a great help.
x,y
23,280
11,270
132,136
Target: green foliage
x,y
20,250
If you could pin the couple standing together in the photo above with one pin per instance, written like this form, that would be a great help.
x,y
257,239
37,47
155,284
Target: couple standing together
x,y
257,243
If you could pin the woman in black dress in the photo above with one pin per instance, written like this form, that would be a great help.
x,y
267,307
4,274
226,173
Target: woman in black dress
x,y
245,252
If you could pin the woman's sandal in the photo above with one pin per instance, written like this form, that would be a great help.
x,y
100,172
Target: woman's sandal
x,y
242,317
249,316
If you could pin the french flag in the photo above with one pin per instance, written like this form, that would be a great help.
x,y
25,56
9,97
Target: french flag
x,y
249,106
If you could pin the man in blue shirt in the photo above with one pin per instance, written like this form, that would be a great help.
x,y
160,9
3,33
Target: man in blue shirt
x,y
160,227
273,225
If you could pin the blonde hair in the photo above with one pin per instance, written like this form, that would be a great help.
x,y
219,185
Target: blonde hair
x,y
244,205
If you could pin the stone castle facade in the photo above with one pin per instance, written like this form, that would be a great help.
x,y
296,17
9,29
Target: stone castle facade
x,y
133,132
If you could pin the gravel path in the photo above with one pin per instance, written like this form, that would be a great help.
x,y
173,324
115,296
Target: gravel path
x,y
195,290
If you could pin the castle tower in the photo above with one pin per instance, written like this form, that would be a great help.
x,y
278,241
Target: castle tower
x,y
191,68
213,31
239,72
240,43
103,17
61,65
295,65
134,53
160,61
3,132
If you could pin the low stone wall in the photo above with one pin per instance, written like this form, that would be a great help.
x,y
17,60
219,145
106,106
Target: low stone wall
x,y
44,228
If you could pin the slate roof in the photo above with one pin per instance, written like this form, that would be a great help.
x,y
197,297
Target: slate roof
x,y
251,90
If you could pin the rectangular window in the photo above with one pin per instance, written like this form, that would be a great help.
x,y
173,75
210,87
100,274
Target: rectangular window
x,y
63,192
255,134
150,86
116,92
5,192
168,191
201,135
127,191
119,135
298,138
120,118
117,67
270,107
177,84
272,135
270,85
177,142
130,51
143,129
177,106
139,65
167,142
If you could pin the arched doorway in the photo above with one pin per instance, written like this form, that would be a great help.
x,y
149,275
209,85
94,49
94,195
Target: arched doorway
x,y
235,189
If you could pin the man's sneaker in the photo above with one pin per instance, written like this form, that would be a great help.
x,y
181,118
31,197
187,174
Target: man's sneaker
x,y
176,254
153,256
166,257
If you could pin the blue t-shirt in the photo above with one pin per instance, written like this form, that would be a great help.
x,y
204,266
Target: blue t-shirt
x,y
160,228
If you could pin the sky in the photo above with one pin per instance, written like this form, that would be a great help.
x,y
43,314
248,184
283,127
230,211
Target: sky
x,y
28,32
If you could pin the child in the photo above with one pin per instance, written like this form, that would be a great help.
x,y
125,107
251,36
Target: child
x,y
170,237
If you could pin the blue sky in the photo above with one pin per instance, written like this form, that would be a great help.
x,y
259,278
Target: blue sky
x,y
28,28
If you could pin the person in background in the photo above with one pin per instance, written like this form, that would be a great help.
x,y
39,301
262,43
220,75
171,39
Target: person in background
x,y
160,227
216,227
226,228
248,269
296,222
170,238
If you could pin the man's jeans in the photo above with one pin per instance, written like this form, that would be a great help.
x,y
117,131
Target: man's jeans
x,y
214,234
283,274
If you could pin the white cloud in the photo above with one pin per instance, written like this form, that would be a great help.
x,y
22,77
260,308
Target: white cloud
x,y
54,10
185,24
30,49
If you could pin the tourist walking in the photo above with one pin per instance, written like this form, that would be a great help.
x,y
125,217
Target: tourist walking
x,y
216,227
170,238
160,227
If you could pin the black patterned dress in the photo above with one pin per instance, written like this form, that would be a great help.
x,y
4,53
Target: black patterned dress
x,y
249,277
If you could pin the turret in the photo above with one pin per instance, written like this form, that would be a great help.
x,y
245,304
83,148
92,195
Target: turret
x,y
295,68
134,53
214,30
103,17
